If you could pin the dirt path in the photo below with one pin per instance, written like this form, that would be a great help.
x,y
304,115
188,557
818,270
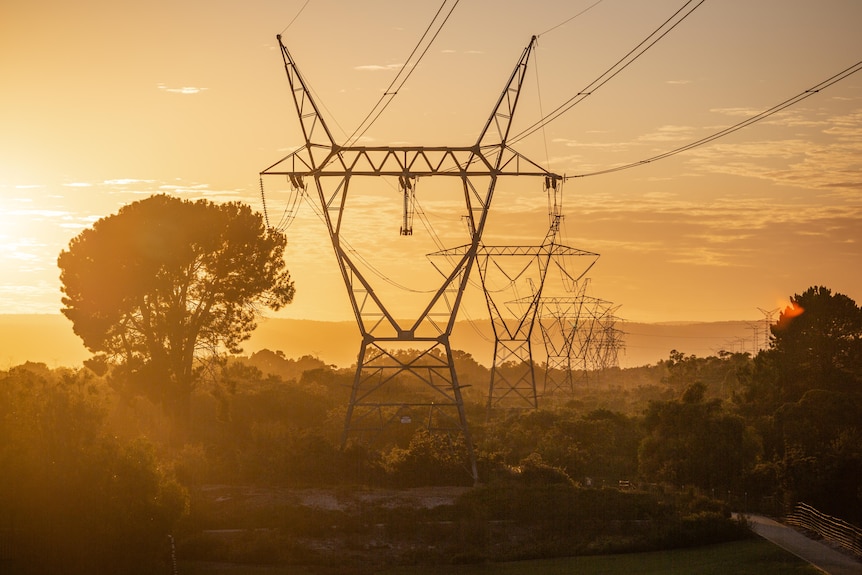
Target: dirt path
x,y
819,554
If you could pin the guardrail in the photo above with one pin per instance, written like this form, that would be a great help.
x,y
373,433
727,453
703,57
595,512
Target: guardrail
x,y
830,528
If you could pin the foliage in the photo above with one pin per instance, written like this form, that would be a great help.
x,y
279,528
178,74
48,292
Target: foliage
x,y
822,457
560,519
718,373
816,344
692,441
429,459
74,499
275,363
804,395
818,341
165,284
279,421
599,446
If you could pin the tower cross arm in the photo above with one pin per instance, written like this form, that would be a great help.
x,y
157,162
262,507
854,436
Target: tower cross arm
x,y
406,160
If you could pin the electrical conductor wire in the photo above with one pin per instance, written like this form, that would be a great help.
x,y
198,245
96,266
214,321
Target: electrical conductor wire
x,y
623,63
736,127
389,93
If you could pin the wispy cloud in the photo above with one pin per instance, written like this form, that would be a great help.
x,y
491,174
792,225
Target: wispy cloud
x,y
183,188
126,182
669,133
736,112
186,90
377,67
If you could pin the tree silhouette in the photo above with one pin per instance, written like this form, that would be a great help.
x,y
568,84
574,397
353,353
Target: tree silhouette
x,y
165,286
817,343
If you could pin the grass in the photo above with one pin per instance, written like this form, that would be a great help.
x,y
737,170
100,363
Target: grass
x,y
748,557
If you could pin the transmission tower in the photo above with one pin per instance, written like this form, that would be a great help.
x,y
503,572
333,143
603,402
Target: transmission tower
x,y
580,334
506,272
388,384
768,320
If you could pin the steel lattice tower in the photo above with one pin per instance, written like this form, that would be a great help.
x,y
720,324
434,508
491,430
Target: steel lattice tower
x,y
505,272
388,385
579,333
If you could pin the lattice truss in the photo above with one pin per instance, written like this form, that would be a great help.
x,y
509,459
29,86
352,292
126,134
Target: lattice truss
x,y
580,335
404,366
513,279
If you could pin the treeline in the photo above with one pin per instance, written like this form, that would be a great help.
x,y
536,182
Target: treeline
x,y
96,471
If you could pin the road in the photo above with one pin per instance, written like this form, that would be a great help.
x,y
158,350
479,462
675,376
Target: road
x,y
819,554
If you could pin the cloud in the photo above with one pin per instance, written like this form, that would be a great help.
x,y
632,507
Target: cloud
x,y
37,213
183,90
736,112
125,182
702,256
848,126
377,67
185,188
669,133
678,82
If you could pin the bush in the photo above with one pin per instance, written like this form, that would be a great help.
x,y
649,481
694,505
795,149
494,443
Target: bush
x,y
77,499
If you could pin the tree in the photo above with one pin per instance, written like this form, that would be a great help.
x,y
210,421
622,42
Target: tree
x,y
817,343
695,441
805,395
165,286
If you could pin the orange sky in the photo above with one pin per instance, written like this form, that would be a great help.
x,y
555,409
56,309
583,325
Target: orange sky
x,y
103,103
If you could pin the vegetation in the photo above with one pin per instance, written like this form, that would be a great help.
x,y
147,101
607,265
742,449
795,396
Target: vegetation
x,y
650,458
748,557
73,497
165,286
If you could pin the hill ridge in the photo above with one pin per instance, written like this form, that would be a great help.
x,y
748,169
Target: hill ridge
x,y
49,339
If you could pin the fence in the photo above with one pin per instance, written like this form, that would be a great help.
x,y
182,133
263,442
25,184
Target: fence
x,y
830,528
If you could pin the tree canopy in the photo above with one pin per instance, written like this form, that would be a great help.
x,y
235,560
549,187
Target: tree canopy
x,y
817,342
166,284
804,396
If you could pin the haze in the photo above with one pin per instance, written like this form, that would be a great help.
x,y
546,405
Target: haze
x,y
106,103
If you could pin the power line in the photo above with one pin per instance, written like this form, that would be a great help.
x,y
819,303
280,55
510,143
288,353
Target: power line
x,y
349,248
567,20
745,123
390,93
623,63
289,24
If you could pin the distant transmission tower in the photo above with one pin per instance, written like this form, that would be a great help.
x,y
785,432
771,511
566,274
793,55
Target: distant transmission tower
x,y
389,384
580,334
507,272
768,320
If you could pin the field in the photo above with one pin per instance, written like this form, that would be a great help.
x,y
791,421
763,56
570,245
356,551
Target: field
x,y
749,557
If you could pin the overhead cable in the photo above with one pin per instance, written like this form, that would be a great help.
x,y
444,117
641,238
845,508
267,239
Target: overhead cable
x,y
289,24
635,53
567,20
409,67
745,123
350,249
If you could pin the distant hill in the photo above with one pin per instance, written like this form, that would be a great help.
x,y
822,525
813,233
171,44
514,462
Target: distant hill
x,y
42,338
49,339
